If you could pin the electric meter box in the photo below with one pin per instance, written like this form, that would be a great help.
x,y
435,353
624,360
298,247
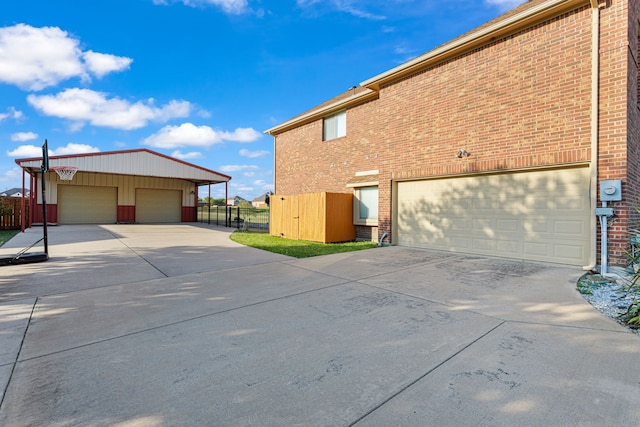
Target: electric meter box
x,y
611,190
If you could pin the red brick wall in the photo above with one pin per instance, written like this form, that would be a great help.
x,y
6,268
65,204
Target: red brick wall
x,y
520,102
126,213
632,188
616,141
307,164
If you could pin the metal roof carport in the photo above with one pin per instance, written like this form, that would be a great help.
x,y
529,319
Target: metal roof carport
x,y
126,169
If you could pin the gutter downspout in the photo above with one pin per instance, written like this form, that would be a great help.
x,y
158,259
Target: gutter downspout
x,y
595,112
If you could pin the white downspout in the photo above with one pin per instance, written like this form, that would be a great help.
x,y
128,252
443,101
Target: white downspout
x,y
595,110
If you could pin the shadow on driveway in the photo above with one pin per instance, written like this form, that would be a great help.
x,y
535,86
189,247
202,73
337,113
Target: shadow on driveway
x,y
177,325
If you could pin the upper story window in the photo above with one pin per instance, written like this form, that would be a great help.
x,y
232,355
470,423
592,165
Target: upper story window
x,y
334,126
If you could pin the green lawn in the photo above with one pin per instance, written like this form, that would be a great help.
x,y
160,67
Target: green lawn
x,y
6,235
296,248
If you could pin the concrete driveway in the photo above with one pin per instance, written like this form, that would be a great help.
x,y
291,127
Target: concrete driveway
x,y
175,325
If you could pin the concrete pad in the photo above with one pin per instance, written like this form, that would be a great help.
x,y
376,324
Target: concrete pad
x,y
372,262
506,289
177,249
527,375
5,376
86,270
319,358
14,319
94,256
120,310
238,336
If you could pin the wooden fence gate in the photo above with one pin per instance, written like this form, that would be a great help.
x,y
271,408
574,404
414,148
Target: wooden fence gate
x,y
319,217
11,213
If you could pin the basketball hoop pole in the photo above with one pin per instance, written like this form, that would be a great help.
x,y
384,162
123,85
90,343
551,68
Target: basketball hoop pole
x,y
44,168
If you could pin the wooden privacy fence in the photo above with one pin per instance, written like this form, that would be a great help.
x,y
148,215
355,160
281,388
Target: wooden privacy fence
x,y
319,217
11,213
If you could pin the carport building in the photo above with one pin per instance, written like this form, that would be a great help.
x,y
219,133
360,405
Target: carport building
x,y
139,186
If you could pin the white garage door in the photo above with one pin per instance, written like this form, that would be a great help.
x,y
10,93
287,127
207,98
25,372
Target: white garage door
x,y
542,215
156,206
87,205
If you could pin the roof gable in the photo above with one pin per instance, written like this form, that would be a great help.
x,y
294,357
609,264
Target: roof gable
x,y
140,162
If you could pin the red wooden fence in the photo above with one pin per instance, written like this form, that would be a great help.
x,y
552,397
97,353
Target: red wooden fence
x,y
11,213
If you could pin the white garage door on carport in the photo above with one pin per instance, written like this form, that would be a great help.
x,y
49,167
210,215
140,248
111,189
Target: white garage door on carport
x,y
79,204
539,216
158,206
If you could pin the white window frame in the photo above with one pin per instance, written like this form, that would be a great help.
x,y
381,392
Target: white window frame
x,y
334,126
357,220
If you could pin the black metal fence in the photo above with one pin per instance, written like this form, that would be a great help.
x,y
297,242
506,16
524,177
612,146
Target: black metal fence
x,y
253,219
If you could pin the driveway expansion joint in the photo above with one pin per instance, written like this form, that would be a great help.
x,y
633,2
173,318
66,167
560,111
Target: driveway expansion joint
x,y
13,368
423,376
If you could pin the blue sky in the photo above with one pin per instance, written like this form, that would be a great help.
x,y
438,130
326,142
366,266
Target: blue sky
x,y
199,80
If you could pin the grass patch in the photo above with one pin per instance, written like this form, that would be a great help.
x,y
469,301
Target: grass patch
x,y
296,248
6,235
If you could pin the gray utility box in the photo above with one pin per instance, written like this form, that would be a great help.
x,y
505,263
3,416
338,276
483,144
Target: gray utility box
x,y
611,190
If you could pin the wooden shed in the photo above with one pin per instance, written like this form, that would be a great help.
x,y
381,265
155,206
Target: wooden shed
x,y
318,217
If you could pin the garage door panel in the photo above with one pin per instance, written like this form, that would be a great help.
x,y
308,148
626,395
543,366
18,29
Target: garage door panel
x,y
536,203
537,250
568,251
486,204
79,204
507,225
484,245
570,203
537,227
571,228
542,215
459,242
508,247
158,206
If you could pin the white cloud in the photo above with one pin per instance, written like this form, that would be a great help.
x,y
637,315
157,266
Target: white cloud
x,y
72,148
346,6
34,58
237,168
188,134
233,7
27,151
102,63
264,185
253,154
85,105
11,113
505,5
12,174
242,135
186,156
24,136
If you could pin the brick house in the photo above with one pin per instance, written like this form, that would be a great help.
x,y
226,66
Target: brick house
x,y
494,143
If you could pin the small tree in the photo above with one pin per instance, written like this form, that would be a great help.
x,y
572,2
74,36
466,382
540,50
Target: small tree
x,y
6,208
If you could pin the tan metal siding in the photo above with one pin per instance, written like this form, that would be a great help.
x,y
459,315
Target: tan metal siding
x,y
541,215
126,185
